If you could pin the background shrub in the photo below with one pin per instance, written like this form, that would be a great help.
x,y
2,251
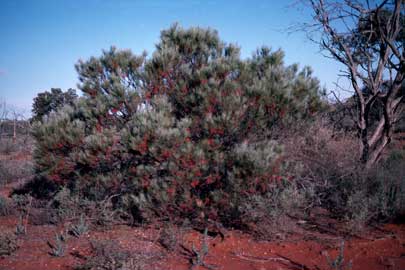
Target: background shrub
x,y
331,176
47,102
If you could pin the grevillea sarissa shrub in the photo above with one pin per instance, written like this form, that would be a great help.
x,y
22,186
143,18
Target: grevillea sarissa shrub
x,y
184,133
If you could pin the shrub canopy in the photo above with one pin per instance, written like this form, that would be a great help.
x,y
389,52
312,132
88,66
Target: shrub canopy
x,y
188,128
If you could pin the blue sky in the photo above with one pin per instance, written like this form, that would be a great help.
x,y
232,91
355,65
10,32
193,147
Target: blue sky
x,y
42,40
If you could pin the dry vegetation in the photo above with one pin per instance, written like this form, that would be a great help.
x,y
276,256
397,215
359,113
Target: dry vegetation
x,y
326,177
184,159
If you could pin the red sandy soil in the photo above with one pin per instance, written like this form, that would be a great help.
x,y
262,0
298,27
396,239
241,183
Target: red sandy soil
x,y
307,246
382,248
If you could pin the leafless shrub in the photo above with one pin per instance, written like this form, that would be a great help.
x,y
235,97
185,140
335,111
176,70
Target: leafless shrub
x,y
7,146
14,170
321,152
325,164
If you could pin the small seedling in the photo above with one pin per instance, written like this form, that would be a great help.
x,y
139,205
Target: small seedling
x,y
198,256
23,204
58,248
339,262
20,228
80,228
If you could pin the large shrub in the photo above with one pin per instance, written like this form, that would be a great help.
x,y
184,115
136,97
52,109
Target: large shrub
x,y
188,128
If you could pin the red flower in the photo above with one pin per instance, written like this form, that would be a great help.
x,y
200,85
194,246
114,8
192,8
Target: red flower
x,y
92,92
166,154
210,180
148,96
203,162
143,146
210,109
211,142
155,90
145,182
282,112
171,191
194,183
56,178
98,127
218,131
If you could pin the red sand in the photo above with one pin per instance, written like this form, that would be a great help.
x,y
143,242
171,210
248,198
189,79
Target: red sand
x,y
383,249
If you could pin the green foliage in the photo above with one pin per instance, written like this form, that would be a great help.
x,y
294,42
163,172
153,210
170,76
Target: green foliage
x,y
47,102
108,255
339,262
182,134
198,256
58,248
377,195
80,228
21,227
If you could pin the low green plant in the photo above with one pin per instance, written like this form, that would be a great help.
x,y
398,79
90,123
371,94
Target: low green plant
x,y
198,256
58,248
8,243
107,255
23,204
21,227
339,262
66,204
79,228
378,195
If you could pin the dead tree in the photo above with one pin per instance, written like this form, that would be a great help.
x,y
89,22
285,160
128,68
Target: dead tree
x,y
368,39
